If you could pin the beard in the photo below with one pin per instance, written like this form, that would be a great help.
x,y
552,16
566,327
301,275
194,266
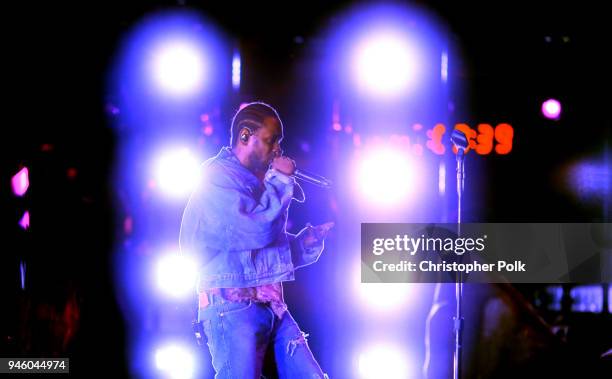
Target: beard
x,y
261,164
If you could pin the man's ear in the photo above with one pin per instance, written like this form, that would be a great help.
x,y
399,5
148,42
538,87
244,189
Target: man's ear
x,y
245,134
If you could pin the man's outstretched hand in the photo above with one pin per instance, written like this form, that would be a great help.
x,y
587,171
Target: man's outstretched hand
x,y
316,234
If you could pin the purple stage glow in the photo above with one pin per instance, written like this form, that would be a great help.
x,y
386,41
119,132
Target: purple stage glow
x,y
25,220
236,68
551,109
20,182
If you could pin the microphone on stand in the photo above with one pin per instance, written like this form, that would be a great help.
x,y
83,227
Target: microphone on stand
x,y
459,139
461,142
311,178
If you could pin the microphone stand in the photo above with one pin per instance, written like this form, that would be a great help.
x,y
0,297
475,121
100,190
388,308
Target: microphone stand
x,y
458,319
461,142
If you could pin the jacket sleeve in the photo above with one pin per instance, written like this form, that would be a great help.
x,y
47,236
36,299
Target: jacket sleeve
x,y
301,255
223,214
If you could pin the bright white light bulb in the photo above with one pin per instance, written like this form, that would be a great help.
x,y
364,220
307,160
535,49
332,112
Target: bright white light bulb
x,y
177,172
386,65
384,361
176,275
175,361
386,177
179,68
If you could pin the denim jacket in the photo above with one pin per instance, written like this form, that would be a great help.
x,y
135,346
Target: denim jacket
x,y
235,225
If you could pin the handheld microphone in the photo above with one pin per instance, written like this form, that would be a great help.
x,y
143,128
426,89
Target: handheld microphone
x,y
311,178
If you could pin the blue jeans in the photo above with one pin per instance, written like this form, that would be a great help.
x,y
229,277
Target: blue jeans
x,y
239,334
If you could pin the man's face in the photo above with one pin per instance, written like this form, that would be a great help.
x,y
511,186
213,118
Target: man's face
x,y
265,143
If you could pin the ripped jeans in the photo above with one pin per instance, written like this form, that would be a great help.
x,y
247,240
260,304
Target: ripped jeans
x,y
239,334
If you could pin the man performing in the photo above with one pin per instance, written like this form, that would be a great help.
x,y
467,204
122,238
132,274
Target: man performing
x,y
235,223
